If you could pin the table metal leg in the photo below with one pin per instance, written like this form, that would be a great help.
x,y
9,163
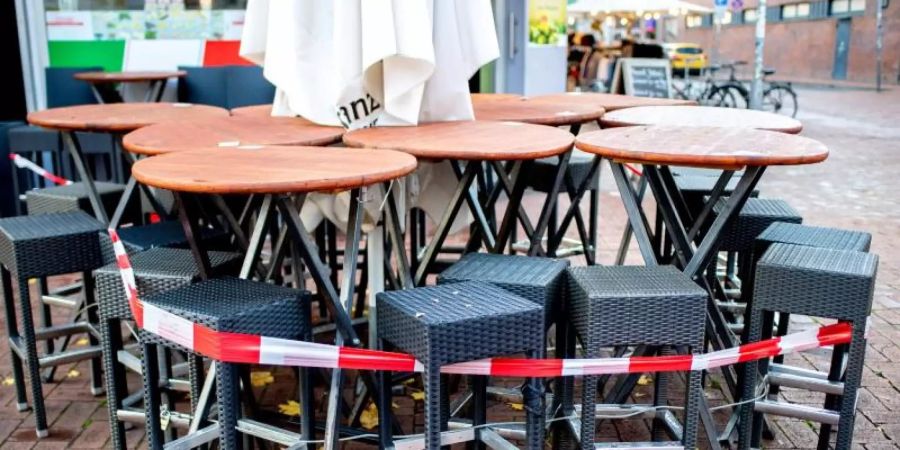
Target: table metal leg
x,y
255,244
74,149
443,228
392,221
475,206
562,174
626,235
194,237
636,216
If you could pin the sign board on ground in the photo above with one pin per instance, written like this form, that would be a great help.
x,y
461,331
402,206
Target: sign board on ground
x,y
642,77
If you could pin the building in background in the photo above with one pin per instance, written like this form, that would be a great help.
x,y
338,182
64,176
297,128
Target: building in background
x,y
808,39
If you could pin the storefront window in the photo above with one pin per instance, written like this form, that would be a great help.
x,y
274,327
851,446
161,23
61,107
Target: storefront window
x,y
693,21
750,15
795,11
847,6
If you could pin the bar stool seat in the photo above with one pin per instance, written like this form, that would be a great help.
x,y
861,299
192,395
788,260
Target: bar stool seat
x,y
540,280
631,305
154,235
461,322
756,215
155,271
73,197
826,283
810,236
543,171
40,246
229,305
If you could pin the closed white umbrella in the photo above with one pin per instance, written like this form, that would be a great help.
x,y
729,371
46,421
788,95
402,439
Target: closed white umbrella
x,y
634,6
362,62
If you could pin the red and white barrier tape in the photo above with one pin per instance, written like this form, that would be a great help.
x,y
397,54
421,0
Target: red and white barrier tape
x,y
251,349
634,170
23,163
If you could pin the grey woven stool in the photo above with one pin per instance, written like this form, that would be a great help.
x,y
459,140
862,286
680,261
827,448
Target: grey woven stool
x,y
74,197
630,305
42,246
826,283
540,178
808,236
155,235
156,270
695,189
540,280
227,305
453,323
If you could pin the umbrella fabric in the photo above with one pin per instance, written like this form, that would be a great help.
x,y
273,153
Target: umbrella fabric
x,y
359,63
370,62
614,6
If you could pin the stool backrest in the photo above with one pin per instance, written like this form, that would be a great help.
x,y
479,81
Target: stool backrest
x,y
225,86
247,86
64,90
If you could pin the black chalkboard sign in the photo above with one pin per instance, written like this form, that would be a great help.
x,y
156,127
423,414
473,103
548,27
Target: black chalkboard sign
x,y
643,77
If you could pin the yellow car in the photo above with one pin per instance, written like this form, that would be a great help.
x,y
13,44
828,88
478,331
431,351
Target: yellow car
x,y
685,56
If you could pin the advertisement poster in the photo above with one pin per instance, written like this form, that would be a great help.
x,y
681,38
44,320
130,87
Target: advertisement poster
x,y
547,22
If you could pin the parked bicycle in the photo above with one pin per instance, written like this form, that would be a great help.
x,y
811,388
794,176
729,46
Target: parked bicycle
x,y
778,97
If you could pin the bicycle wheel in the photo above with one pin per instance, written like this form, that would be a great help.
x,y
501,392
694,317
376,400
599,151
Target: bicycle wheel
x,y
723,97
780,99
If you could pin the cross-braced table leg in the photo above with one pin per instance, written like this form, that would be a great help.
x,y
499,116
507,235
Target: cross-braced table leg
x,y
129,190
462,194
74,148
576,193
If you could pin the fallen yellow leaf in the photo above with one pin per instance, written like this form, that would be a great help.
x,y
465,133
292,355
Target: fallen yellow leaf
x,y
291,408
9,381
73,373
516,406
645,380
81,342
369,417
261,378
418,395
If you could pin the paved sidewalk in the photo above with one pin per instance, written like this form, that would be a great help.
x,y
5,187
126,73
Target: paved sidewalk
x,y
857,187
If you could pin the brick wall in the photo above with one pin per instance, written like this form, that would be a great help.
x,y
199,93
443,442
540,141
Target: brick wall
x,y
805,48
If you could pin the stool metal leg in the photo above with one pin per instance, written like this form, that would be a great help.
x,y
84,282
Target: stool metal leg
x,y
152,406
588,399
12,330
852,382
90,305
479,408
692,403
533,398
116,383
31,355
228,399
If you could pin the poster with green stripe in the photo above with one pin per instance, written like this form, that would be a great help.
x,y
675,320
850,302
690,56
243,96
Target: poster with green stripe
x,y
107,54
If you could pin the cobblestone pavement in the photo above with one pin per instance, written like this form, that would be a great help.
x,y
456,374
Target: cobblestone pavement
x,y
855,188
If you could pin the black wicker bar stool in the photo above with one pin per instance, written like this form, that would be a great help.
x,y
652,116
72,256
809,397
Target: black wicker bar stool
x,y
156,270
807,236
739,239
630,305
41,246
697,188
74,197
454,323
229,305
832,284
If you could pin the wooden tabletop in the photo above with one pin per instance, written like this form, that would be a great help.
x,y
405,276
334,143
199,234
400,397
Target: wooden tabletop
x,y
553,113
708,147
271,169
120,117
228,132
262,111
128,77
467,140
493,96
709,116
609,102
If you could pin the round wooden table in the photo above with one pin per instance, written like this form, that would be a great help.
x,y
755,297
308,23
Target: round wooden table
x,y
609,102
277,174
117,119
488,96
103,83
553,113
476,142
228,132
657,147
707,116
